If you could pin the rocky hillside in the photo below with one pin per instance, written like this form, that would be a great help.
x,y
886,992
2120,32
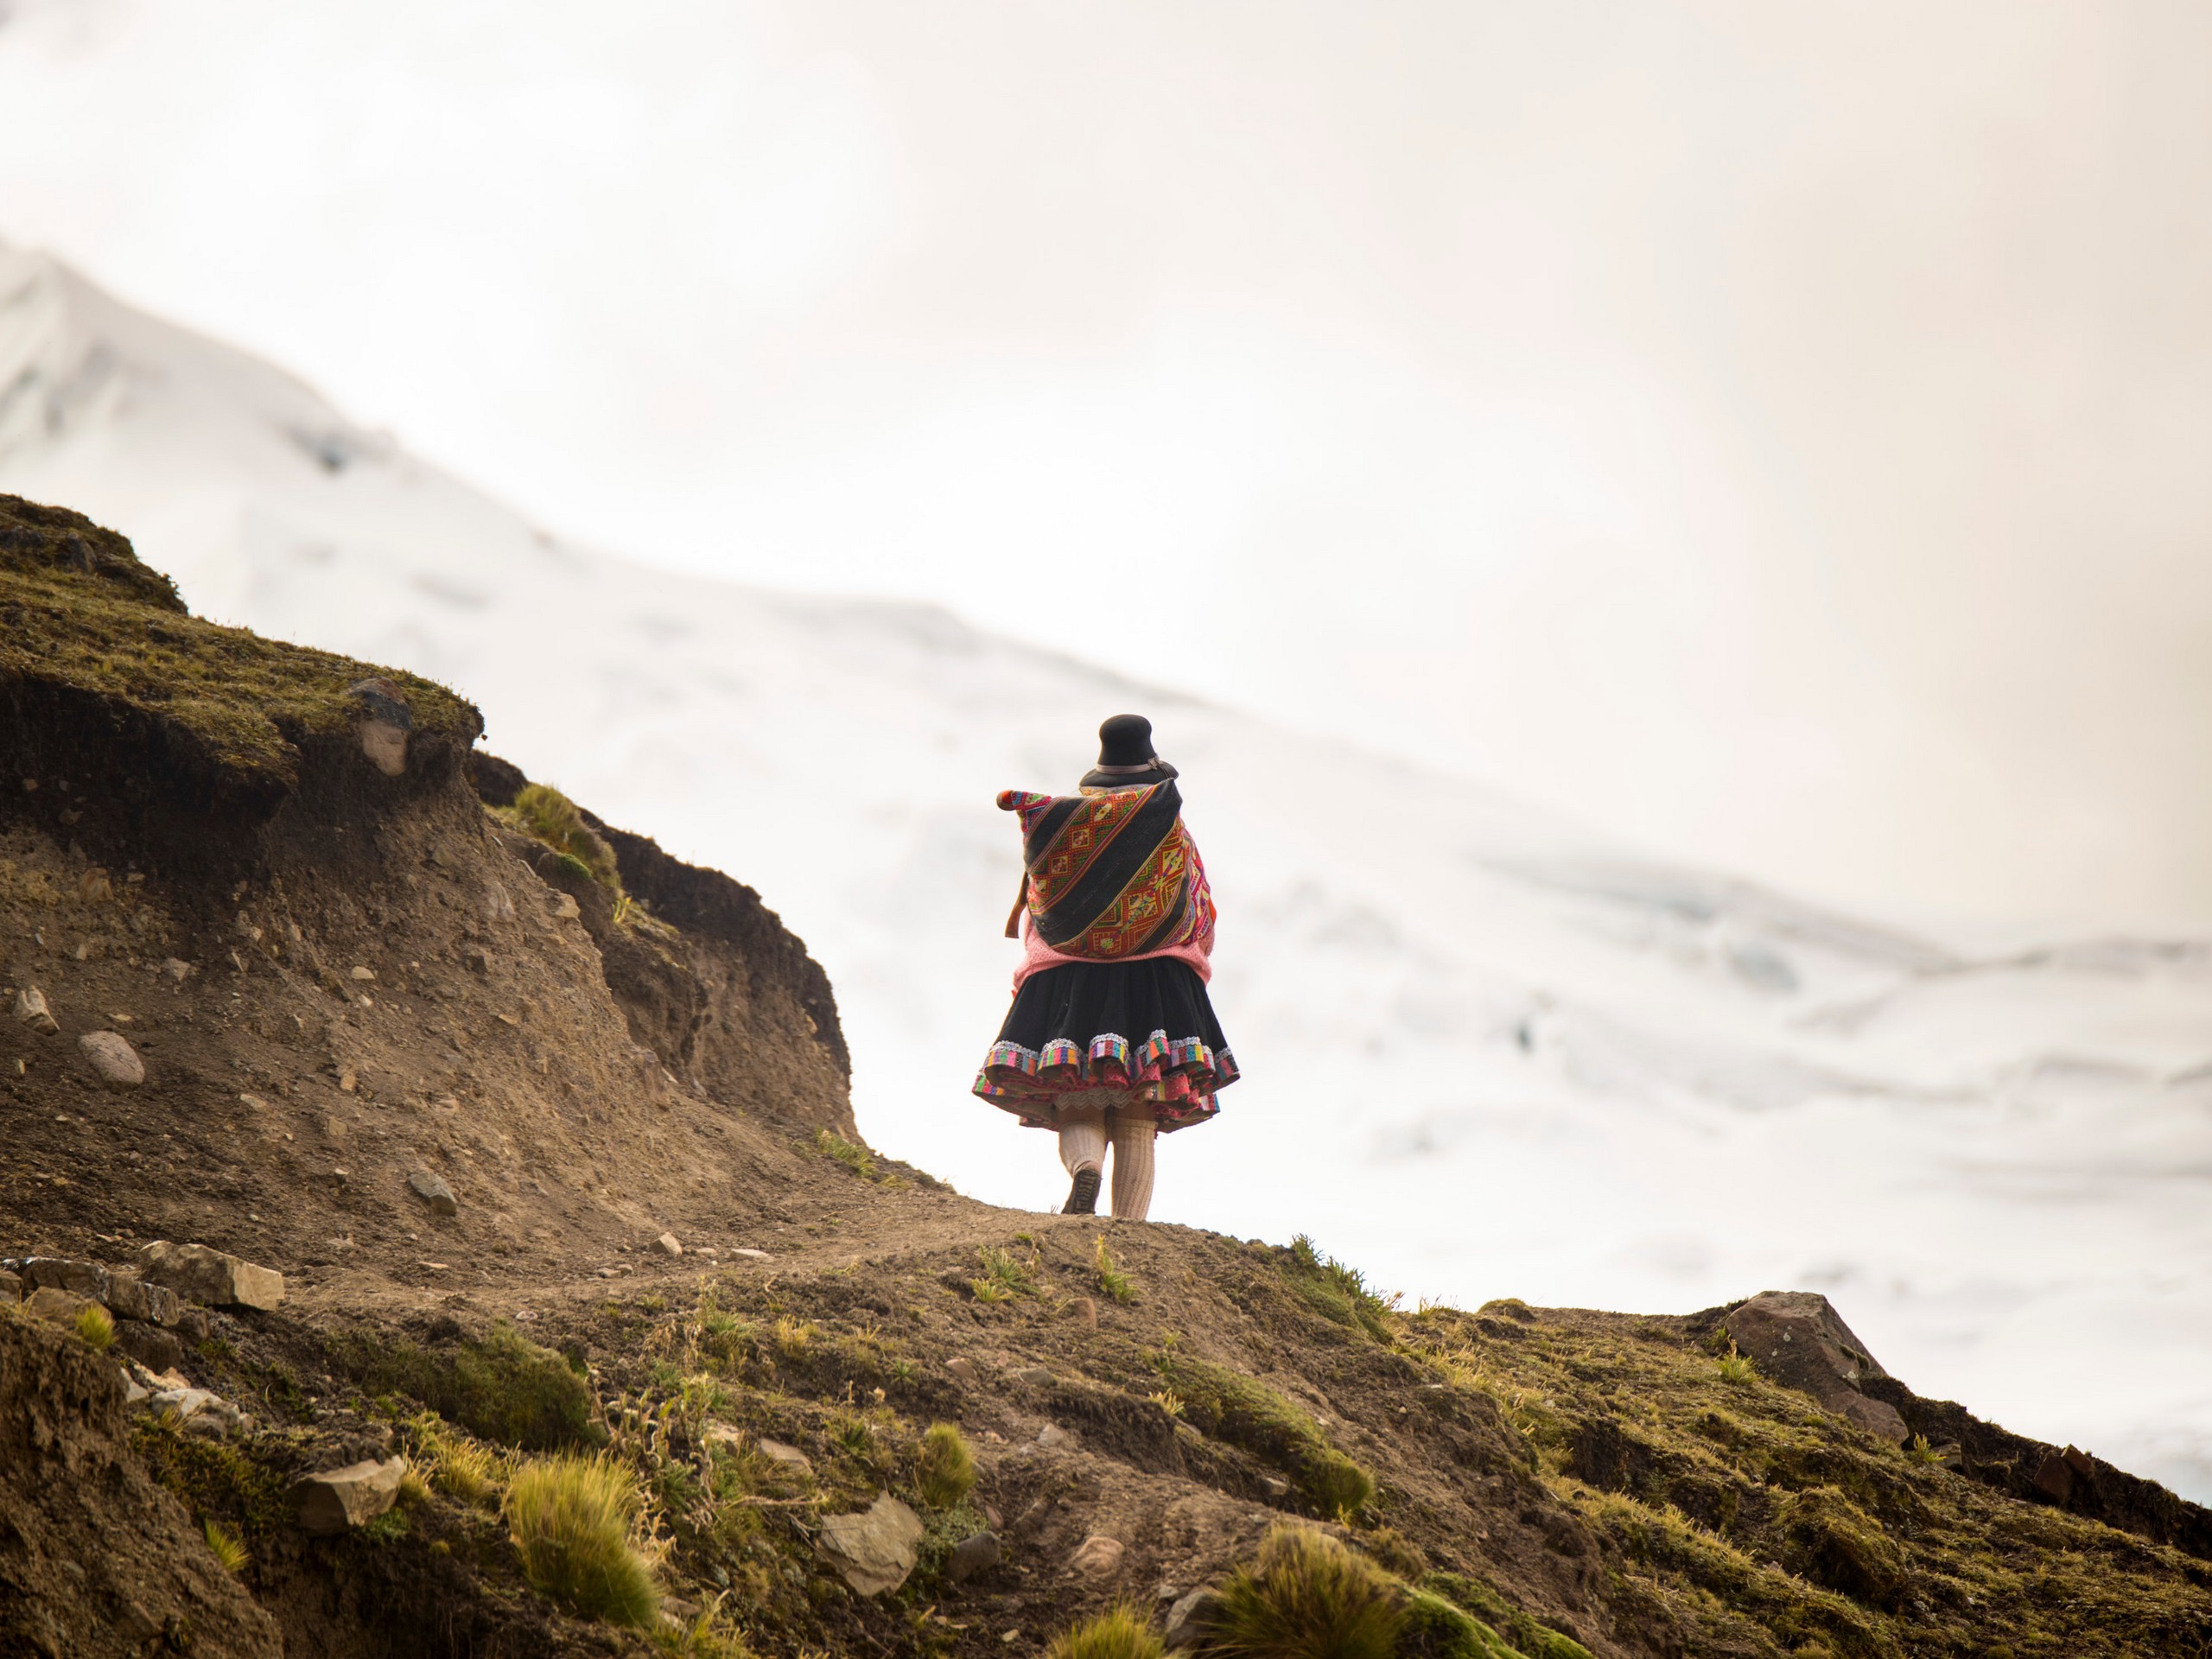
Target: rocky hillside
x,y
414,1186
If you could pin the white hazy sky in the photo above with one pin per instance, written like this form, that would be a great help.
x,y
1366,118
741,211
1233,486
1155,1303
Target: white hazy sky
x,y
1779,435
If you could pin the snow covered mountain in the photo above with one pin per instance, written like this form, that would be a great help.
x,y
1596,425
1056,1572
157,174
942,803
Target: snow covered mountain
x,y
1486,1053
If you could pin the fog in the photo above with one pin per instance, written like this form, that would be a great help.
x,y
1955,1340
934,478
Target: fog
x,y
1777,436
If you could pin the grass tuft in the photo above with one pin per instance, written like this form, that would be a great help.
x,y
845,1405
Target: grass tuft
x,y
546,814
461,1468
1335,1291
1736,1367
1121,1632
94,1328
230,1554
944,1473
1306,1596
574,1520
1111,1279
854,1157
1004,1277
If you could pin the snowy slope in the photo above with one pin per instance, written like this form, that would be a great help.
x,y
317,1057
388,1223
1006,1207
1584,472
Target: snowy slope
x,y
1486,1053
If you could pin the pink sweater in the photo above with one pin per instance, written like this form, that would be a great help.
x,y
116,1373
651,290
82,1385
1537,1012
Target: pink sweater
x,y
1036,956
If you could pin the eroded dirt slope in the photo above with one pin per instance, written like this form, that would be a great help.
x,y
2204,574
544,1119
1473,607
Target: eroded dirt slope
x,y
354,975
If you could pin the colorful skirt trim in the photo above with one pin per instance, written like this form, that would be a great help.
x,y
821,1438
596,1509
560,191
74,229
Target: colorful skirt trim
x,y
1072,1028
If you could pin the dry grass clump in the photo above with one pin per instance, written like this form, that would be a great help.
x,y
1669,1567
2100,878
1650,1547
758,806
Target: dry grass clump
x,y
230,1554
574,1520
944,1473
545,813
465,1469
94,1328
854,1156
1120,1632
1306,1596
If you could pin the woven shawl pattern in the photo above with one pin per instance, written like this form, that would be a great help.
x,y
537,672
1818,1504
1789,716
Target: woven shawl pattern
x,y
1112,873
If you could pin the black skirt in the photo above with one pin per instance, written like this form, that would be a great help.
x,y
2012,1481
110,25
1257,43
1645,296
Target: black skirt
x,y
1145,1026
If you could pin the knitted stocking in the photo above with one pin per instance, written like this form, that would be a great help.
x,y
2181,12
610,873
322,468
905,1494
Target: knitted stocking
x,y
1133,1139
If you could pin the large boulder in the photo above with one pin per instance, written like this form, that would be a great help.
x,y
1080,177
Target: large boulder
x,y
210,1277
874,1550
1797,1338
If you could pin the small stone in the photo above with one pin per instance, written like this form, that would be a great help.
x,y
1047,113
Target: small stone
x,y
177,971
211,1277
11,1287
338,1500
31,1009
667,1245
966,1369
753,1255
1083,1310
563,906
789,1456
1096,1557
349,1081
383,723
1035,1375
434,1192
1053,1438
976,1553
476,961
1275,1485
363,976
111,1056
876,1550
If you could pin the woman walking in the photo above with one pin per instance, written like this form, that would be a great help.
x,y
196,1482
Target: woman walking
x,y
1111,1039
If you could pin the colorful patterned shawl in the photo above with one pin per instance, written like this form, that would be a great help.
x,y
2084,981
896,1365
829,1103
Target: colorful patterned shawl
x,y
1111,874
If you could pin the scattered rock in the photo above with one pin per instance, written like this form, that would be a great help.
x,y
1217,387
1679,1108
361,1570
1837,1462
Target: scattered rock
x,y
88,1279
338,1500
363,976
753,1255
789,1456
873,1551
151,1346
1053,1438
977,1554
383,725
667,1245
1274,1486
113,1058
31,1009
11,1287
1035,1375
563,906
966,1369
1096,1557
210,1277
434,1192
177,971
1798,1338
2056,1476
476,961
56,1307
1084,1310
1187,1619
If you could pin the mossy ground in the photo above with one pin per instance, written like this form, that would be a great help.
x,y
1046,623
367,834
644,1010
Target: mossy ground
x,y
101,623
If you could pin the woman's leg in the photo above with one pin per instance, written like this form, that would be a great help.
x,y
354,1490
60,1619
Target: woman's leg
x,y
1083,1151
1133,1140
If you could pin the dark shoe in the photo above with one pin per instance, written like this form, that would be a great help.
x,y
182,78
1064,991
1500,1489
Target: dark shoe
x,y
1083,1196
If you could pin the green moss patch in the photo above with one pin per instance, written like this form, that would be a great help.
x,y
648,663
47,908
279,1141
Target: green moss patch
x,y
1247,1413
501,1387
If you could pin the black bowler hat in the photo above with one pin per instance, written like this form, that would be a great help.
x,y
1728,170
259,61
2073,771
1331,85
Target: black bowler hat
x,y
1125,754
